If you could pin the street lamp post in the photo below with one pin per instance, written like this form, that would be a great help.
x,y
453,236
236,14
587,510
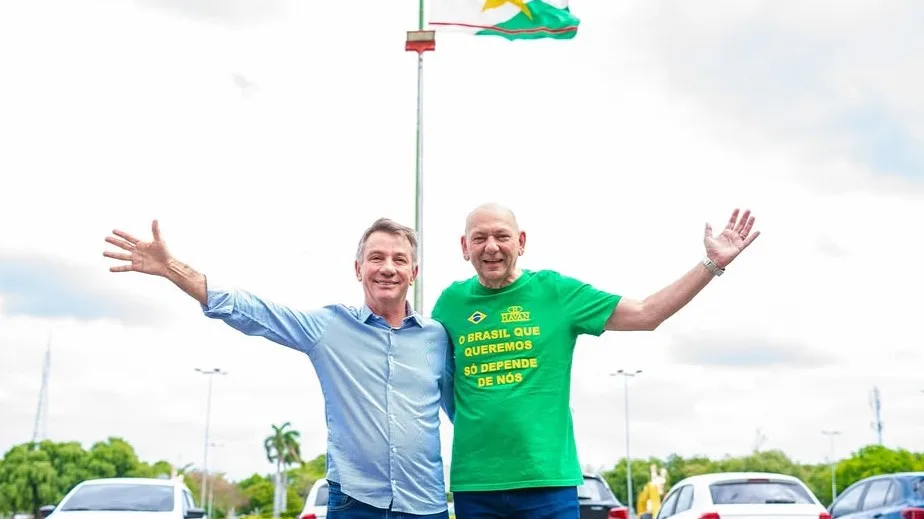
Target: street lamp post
x,y
831,435
211,501
208,413
625,376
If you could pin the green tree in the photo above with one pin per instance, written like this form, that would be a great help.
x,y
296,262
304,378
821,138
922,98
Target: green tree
x,y
818,479
259,491
70,461
876,459
115,458
224,494
617,479
37,474
303,477
282,448
28,478
679,467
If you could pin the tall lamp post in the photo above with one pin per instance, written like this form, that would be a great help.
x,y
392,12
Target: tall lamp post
x,y
831,435
211,502
625,377
208,414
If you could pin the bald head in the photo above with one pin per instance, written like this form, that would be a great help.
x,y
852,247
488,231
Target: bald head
x,y
491,210
492,242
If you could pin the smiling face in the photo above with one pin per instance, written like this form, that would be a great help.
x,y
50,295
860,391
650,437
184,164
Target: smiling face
x,y
492,243
386,268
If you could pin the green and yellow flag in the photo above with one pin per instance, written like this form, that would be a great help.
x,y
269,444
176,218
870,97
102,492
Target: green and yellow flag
x,y
511,19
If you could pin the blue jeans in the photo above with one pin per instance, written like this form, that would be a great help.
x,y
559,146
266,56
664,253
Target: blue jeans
x,y
342,506
525,503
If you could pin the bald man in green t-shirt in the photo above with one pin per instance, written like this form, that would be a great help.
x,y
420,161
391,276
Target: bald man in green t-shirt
x,y
514,331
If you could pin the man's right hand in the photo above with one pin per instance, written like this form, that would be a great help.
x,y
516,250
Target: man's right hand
x,y
152,257
149,257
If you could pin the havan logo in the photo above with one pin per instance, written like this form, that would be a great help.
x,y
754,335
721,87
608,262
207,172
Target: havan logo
x,y
515,314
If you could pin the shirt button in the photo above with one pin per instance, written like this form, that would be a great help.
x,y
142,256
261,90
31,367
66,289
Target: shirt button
x,y
394,449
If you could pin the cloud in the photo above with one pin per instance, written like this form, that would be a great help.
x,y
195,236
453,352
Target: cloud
x,y
832,83
745,351
49,286
884,140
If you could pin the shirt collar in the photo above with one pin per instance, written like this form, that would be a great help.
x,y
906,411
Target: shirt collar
x,y
366,312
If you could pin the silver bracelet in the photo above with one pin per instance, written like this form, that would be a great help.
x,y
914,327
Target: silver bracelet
x,y
713,267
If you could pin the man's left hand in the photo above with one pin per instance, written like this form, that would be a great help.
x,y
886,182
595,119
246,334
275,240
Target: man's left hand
x,y
736,236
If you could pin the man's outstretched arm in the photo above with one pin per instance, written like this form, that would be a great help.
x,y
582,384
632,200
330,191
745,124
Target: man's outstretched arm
x,y
649,313
239,309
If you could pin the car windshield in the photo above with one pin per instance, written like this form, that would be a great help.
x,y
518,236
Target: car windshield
x,y
593,489
121,496
758,491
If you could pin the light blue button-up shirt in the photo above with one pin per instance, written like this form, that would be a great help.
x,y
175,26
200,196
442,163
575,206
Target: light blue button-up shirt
x,y
383,389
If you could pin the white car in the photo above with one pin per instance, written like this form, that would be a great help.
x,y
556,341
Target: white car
x,y
143,498
741,495
316,502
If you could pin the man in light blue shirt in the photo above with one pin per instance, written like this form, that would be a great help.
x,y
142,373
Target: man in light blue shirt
x,y
385,371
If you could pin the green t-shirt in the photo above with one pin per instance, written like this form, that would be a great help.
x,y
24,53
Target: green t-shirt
x,y
513,354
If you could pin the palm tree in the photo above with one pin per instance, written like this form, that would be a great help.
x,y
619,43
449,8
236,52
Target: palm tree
x,y
283,449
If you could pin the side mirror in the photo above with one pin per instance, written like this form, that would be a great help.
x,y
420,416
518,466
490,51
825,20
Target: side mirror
x,y
195,513
45,511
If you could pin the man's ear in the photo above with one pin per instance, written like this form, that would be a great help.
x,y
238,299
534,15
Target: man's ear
x,y
465,253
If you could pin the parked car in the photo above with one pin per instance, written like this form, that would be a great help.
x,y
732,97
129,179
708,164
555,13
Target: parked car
x,y
145,498
741,495
316,502
886,496
597,500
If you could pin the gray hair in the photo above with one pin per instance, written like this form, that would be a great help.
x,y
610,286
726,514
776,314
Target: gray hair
x,y
391,227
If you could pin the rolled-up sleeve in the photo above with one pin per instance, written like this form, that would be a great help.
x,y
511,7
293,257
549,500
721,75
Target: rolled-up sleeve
x,y
252,315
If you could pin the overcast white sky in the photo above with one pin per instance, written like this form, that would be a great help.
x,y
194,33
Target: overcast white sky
x,y
613,149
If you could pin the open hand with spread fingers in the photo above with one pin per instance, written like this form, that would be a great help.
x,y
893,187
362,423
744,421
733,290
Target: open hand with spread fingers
x,y
733,239
148,257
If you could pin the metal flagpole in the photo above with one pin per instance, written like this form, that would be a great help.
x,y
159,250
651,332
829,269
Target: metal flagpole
x,y
419,41
418,165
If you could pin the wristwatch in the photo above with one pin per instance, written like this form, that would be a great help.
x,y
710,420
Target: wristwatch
x,y
712,266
